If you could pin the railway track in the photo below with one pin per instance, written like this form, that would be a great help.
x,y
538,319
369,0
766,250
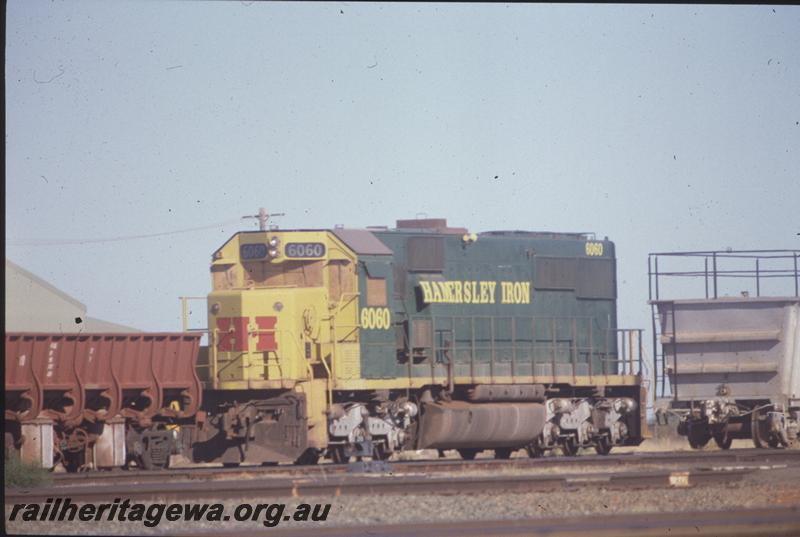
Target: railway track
x,y
681,469
697,459
621,473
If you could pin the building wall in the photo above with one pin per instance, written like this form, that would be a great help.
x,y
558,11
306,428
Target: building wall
x,y
33,305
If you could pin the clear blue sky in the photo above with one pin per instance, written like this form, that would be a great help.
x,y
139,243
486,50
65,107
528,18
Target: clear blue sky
x,y
662,127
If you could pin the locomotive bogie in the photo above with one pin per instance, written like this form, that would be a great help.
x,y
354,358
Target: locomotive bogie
x,y
251,427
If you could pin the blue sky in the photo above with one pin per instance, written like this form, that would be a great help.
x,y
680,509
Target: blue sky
x,y
663,127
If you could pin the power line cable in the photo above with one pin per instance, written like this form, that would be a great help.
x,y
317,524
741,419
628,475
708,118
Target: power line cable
x,y
66,242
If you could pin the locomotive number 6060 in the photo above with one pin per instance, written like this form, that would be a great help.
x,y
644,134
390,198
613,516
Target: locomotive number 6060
x,y
376,318
305,249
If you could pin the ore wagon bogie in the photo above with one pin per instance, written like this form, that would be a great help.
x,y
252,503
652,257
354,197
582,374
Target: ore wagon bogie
x,y
732,362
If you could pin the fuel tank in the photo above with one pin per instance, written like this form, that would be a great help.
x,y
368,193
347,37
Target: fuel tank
x,y
460,424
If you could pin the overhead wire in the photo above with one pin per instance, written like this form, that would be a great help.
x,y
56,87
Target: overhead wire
x,y
67,242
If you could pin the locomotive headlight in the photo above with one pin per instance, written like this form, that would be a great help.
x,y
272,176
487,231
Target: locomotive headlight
x,y
215,307
273,252
274,242
469,238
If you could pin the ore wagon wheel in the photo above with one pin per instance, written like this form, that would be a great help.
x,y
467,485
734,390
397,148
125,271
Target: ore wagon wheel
x,y
74,462
468,453
603,445
74,450
698,436
723,440
759,431
502,453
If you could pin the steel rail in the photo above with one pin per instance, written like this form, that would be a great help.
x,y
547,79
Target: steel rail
x,y
338,485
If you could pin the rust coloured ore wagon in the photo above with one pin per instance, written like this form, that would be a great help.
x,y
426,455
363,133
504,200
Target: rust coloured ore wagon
x,y
98,400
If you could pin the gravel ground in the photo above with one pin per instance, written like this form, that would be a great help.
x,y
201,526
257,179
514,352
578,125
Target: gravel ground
x,y
763,489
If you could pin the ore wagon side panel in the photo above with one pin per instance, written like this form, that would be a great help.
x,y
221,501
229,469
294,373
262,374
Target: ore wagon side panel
x,y
742,348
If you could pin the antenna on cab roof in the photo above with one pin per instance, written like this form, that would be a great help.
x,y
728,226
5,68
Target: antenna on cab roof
x,y
263,216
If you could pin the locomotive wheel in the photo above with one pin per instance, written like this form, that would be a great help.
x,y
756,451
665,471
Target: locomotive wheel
x,y
723,440
310,456
337,455
502,453
468,453
156,450
569,447
698,436
379,452
535,449
603,445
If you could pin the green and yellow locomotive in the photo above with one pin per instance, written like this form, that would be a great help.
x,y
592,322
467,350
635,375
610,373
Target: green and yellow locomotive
x,y
364,342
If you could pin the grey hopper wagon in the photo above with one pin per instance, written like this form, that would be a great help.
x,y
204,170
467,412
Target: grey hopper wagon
x,y
732,363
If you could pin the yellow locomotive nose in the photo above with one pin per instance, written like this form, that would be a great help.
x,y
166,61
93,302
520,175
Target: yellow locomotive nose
x,y
264,338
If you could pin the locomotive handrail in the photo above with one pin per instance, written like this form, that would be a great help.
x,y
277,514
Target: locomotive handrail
x,y
509,348
342,302
230,362
185,314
